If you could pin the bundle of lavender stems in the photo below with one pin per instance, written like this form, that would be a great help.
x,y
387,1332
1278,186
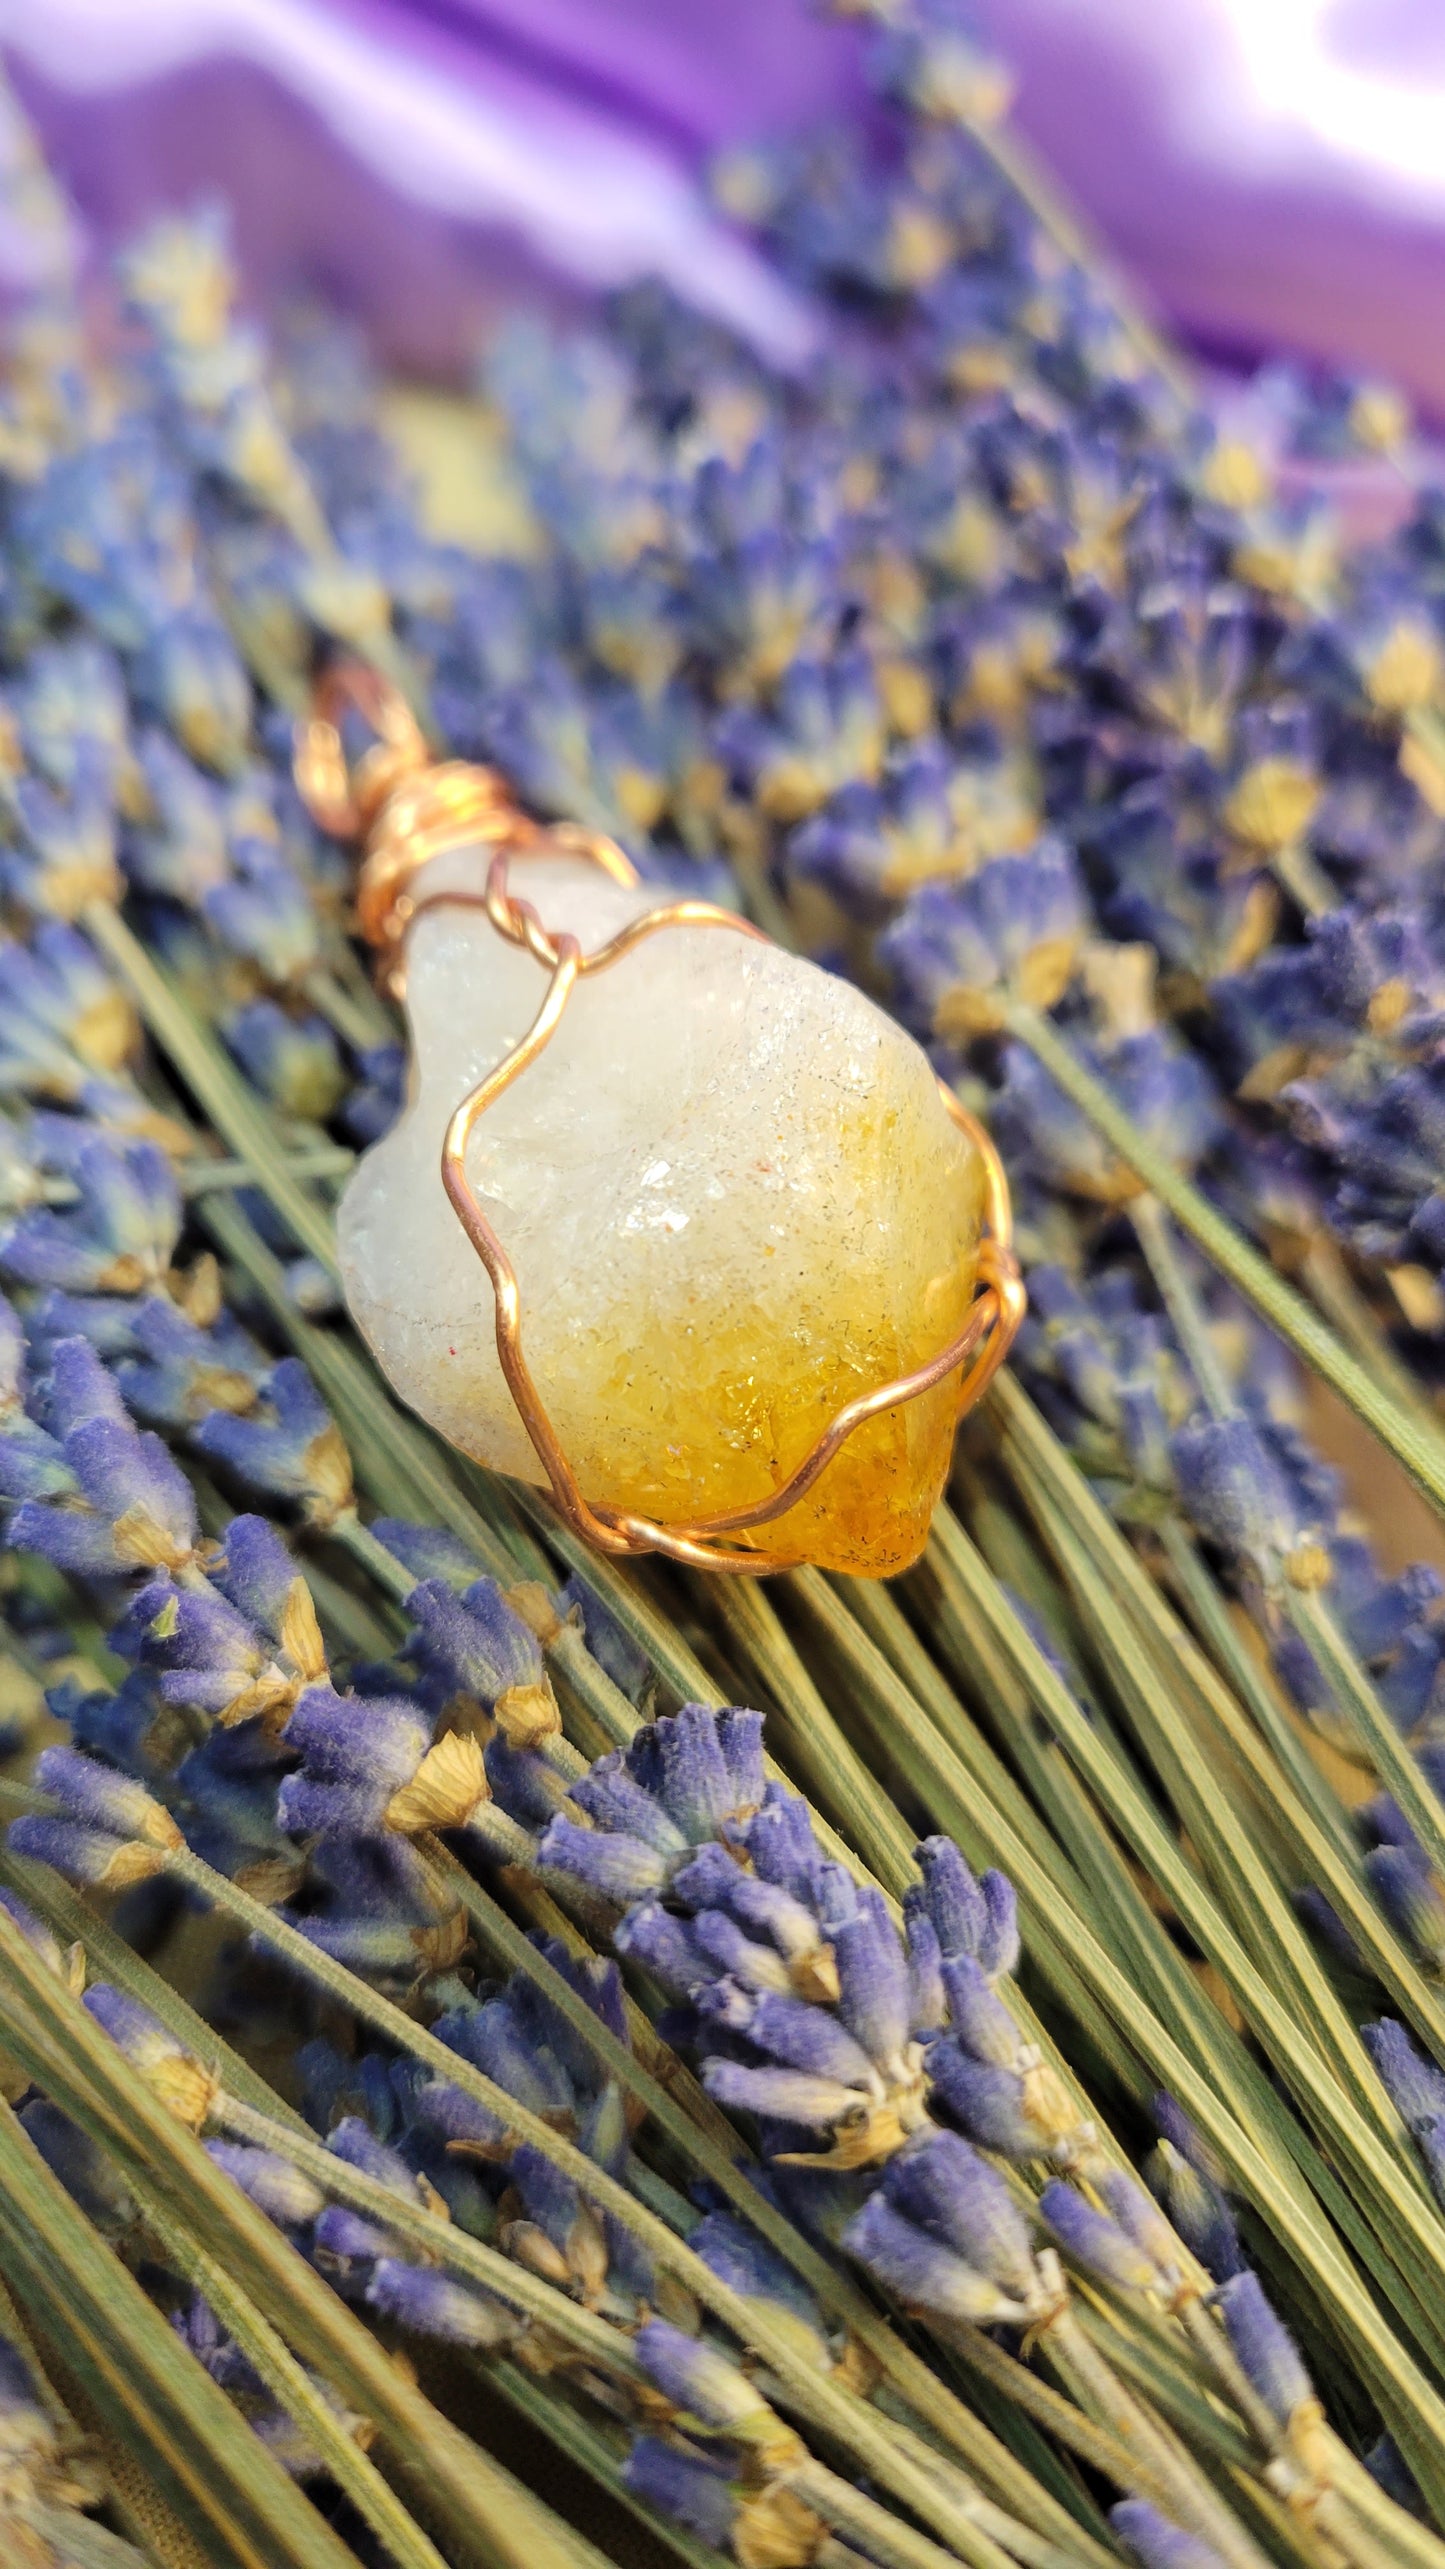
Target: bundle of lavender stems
x,y
509,2057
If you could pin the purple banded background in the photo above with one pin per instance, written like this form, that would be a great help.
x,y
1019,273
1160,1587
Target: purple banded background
x,y
1272,172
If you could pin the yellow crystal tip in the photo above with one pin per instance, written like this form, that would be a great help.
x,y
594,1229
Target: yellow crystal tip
x,y
739,1398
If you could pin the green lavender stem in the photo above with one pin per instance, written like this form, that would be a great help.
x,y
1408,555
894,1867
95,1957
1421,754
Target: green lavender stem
x,y
248,2100
1404,1433
821,2402
1208,1612
243,1124
291,2387
143,2382
493,2519
456,2251
1398,1770
1041,1467
1097,2389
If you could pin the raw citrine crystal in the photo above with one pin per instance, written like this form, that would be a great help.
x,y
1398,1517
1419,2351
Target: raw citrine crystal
x,y
734,1201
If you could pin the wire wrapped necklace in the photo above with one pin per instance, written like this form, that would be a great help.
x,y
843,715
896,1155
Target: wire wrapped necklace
x,y
763,1255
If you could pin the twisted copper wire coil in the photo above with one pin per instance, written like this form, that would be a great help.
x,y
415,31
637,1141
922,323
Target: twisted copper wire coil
x,y
405,809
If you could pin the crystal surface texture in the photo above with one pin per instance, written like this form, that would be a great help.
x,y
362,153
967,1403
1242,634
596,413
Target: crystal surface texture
x,y
734,1201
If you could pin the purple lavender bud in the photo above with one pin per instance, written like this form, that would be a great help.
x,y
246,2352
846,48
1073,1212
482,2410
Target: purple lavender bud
x,y
80,1389
922,2271
475,1645
346,2245
597,1982
388,1952
744,2261
722,1940
613,1800
1264,2347
309,1806
701,2379
695,1782
873,1998
354,2141
1158,2544
780,1843
1386,2465
927,2003
182,2082
955,1899
1197,2210
999,1949
118,1238
684,2486
664,1945
942,2186
1415,2087
256,1572
524,1783
1231,1490
278,2189
457,2120
629,1668
32,1466
713,1879
493,2040
434,2305
428,1551
991,2103
1180,2175
977,2016
620,1868
290,1447
295,1062
207,1652
1089,2238
803,2037
783,2095
173,1373
1429,2134
1139,2217
13,1352
97,1796
740,1737
38,1937
131,2026
378,1740
128,1477
549,2194
1382,1822
90,1858
957,948
1412,1899
88,2173
73,1539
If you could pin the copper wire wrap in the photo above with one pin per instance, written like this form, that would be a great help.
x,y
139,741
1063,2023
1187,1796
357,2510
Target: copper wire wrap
x,y
405,809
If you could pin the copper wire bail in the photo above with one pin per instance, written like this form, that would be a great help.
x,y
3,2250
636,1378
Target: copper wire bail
x,y
404,809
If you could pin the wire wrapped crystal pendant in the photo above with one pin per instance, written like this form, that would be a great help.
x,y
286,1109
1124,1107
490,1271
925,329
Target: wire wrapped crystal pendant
x,y
672,1222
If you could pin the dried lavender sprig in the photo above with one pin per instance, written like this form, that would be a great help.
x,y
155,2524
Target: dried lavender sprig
x,y
77,2064
832,2410
338,2451
345,2184
849,2307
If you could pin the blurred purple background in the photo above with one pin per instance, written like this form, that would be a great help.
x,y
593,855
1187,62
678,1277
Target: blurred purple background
x,y
1272,172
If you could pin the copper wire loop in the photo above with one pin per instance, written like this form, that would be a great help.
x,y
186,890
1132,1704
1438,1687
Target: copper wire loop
x,y
406,810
